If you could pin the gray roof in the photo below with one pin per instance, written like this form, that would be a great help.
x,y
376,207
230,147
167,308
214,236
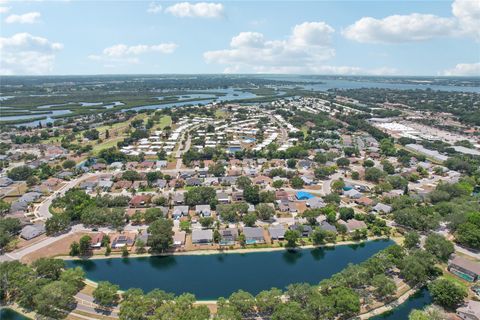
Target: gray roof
x,y
382,207
32,231
253,232
315,203
327,226
180,210
277,232
201,235
202,208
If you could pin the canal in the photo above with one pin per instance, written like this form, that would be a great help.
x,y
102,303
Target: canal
x,y
218,275
419,300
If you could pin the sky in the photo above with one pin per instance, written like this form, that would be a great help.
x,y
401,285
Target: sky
x,y
70,37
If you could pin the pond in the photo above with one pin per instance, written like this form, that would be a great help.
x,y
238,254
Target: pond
x,y
218,275
9,314
419,300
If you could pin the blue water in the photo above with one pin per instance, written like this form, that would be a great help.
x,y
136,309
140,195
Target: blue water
x,y
9,314
218,275
419,300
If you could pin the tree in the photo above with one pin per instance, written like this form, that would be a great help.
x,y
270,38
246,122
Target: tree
x,y
290,311
74,276
8,228
251,194
343,162
105,294
85,245
57,223
206,222
438,246
55,300
384,287
346,213
218,170
268,300
48,268
468,232
4,206
267,196
338,185
412,240
296,182
249,219
243,301
68,164
20,173
291,163
277,184
373,174
125,252
152,214
388,167
265,212
201,195
292,237
74,249
355,175
161,235
447,293
243,182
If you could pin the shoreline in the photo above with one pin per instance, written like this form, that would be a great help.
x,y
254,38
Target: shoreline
x,y
216,251
389,306
16,308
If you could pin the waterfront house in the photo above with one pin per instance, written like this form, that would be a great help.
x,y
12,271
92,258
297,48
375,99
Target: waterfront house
x,y
353,225
201,236
179,238
304,229
277,232
466,269
96,242
122,241
253,235
324,225
228,236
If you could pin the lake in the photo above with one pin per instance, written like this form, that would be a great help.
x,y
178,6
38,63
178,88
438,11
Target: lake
x,y
218,275
419,300
9,314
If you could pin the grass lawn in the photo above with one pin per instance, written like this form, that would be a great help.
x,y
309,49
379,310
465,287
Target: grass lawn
x,y
106,144
220,114
165,121
457,280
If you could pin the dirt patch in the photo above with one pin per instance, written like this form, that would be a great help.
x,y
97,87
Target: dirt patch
x,y
60,247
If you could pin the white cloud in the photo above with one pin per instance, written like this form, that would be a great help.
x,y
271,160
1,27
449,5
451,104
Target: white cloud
x,y
465,21
4,9
199,9
464,69
30,17
467,13
121,53
397,28
154,8
23,53
308,45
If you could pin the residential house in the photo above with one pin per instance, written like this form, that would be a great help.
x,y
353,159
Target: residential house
x,y
253,235
466,269
382,208
470,311
353,225
223,197
139,201
352,194
179,238
203,210
324,225
178,198
277,232
315,203
96,242
303,229
202,236
228,236
32,231
179,211
364,201
122,241
193,182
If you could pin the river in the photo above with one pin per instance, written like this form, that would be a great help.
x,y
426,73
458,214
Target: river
x,y
9,314
419,300
218,275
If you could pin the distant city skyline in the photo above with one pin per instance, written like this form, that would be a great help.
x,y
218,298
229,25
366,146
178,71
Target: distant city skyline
x,y
436,38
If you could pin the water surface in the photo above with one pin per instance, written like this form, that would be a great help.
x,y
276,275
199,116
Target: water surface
x,y
218,275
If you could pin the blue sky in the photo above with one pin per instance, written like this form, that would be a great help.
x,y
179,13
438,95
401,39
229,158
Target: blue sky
x,y
318,37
